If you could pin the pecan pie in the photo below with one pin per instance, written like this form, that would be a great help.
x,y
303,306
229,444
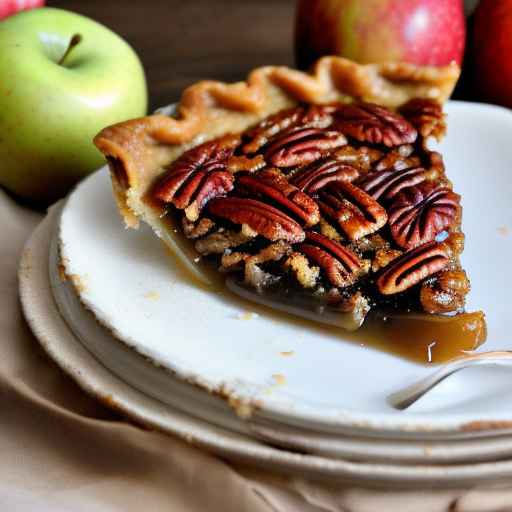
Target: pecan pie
x,y
317,189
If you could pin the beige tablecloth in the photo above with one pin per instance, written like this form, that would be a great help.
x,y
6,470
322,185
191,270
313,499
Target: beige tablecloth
x,y
61,451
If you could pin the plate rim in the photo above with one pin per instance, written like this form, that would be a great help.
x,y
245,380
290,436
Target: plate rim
x,y
72,357
213,410
342,420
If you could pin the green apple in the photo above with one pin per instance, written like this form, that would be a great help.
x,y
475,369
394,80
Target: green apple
x,y
64,77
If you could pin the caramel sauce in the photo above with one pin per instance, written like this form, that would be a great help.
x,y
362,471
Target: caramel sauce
x,y
189,264
422,338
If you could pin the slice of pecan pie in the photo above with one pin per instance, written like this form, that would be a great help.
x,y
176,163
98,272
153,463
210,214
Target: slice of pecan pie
x,y
313,190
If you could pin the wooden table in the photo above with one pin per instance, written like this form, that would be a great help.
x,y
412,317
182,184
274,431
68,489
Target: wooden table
x,y
180,42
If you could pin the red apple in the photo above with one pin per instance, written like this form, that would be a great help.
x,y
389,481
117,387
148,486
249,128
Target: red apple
x,y
492,51
8,7
425,32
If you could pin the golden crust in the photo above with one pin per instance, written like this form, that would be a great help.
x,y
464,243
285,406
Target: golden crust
x,y
138,150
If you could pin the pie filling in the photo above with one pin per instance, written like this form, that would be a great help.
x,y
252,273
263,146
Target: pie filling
x,y
332,209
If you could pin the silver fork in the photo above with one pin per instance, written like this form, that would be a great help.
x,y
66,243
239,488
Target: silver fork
x,y
405,397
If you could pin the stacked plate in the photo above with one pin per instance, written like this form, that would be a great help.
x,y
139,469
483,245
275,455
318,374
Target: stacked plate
x,y
115,311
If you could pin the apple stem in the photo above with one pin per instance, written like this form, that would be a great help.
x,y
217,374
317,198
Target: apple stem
x,y
72,43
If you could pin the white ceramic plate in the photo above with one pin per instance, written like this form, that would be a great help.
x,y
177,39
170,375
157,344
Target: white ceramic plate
x,y
160,384
56,338
328,384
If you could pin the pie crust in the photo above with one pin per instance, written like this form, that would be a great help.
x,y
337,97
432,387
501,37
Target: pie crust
x,y
138,150
141,154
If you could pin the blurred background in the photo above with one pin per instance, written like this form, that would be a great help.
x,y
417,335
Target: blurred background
x,y
180,42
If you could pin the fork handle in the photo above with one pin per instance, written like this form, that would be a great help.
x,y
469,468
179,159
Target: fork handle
x,y
407,396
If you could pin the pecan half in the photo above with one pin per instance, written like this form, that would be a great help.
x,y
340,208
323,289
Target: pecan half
x,y
367,122
318,116
266,220
384,185
197,176
354,211
413,267
302,146
259,136
419,213
319,174
340,265
272,185
445,292
426,116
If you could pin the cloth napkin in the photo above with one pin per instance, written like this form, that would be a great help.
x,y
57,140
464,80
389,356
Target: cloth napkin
x,y
62,451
